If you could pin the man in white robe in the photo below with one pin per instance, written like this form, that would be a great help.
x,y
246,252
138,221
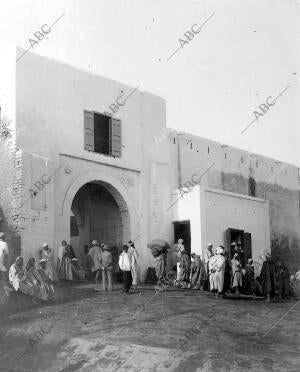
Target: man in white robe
x,y
125,265
133,254
216,271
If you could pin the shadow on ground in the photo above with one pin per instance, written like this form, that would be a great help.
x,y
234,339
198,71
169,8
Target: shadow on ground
x,y
179,330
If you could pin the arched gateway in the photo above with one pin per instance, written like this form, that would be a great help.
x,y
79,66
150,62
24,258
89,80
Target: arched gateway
x,y
96,206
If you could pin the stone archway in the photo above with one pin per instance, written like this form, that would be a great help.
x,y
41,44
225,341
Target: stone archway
x,y
130,222
98,212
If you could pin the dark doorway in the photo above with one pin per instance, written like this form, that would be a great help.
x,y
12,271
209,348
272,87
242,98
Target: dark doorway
x,y
96,216
243,244
182,229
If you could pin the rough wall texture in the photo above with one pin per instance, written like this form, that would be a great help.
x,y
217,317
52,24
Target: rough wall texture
x,y
11,189
284,216
240,172
37,209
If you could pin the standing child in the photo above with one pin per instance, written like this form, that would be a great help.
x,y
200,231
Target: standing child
x,y
125,266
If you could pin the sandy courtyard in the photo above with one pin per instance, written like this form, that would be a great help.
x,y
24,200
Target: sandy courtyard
x,y
150,331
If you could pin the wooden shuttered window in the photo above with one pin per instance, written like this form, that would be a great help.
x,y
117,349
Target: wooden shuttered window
x,y
102,134
89,130
115,137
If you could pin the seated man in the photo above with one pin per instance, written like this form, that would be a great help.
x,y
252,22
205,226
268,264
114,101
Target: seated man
x,y
46,275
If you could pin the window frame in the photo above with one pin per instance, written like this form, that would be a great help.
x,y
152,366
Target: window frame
x,y
110,139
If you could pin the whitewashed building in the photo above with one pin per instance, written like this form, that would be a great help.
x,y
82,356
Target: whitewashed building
x,y
90,158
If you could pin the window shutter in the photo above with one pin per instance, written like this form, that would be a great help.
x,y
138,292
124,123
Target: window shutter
x,y
228,242
89,130
247,246
116,137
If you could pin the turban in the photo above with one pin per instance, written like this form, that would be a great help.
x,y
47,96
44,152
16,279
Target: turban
x,y
220,250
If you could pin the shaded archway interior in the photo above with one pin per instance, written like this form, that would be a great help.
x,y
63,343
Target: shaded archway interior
x,y
99,212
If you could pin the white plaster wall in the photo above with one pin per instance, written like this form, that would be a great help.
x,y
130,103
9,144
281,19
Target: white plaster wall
x,y
225,210
188,208
51,99
276,181
54,96
37,224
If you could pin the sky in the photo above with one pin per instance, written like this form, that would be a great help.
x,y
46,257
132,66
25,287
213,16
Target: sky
x,y
247,52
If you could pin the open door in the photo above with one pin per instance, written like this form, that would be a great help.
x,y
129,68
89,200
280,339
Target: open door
x,y
234,236
247,247
244,247
182,229
228,242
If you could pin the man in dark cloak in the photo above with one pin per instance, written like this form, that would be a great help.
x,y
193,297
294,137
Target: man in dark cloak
x,y
268,277
198,273
159,249
227,274
283,280
185,269
249,277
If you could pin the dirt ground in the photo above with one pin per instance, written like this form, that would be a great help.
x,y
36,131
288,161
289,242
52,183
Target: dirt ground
x,y
174,330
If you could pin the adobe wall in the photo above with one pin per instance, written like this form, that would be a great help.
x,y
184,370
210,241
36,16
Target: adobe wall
x,y
230,170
